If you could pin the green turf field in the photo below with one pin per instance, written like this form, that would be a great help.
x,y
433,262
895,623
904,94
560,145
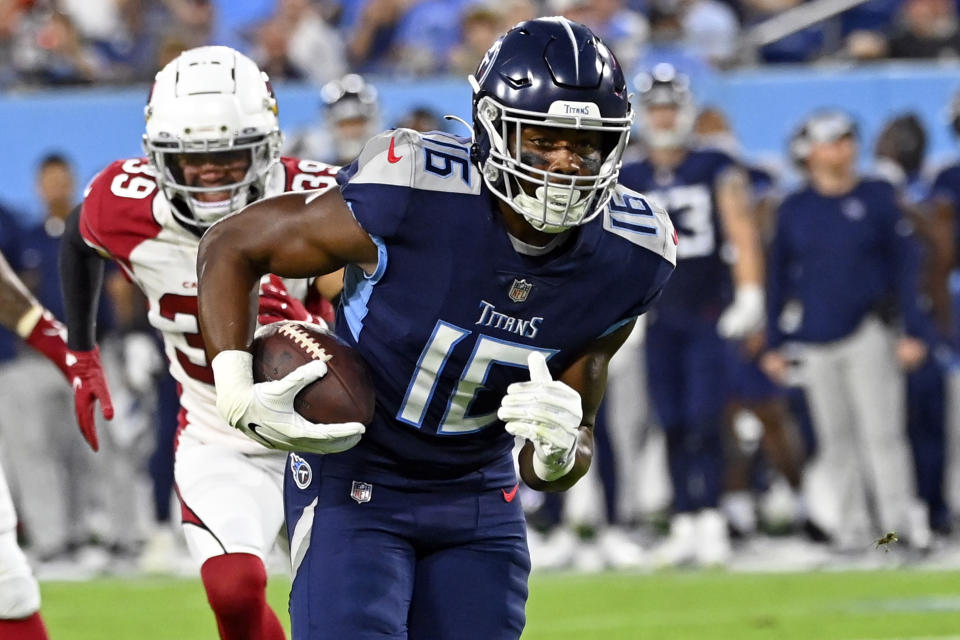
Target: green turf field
x,y
677,606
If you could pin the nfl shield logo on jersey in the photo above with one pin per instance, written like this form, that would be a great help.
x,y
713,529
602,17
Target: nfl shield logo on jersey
x,y
520,289
302,473
361,491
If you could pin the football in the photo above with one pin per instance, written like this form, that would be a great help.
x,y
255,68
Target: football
x,y
345,394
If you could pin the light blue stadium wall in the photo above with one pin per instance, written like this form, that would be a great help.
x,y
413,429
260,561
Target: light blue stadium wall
x,y
94,127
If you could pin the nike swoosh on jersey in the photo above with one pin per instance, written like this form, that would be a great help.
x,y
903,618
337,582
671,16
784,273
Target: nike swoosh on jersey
x,y
509,495
392,157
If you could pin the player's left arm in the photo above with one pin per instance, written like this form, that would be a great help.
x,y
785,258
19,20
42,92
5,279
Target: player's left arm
x,y
23,313
583,382
746,314
16,301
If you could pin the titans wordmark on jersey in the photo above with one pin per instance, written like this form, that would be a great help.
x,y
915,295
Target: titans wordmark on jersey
x,y
126,217
453,310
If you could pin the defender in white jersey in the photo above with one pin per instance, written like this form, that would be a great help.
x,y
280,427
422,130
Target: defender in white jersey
x,y
212,143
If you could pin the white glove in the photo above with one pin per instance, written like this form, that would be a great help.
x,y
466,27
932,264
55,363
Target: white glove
x,y
264,411
141,360
745,315
548,413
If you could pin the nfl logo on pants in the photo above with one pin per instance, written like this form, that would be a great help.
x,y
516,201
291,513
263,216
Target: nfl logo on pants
x,y
361,491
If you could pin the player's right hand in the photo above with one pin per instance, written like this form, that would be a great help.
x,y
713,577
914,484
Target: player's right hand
x,y
745,315
548,413
775,366
89,383
264,411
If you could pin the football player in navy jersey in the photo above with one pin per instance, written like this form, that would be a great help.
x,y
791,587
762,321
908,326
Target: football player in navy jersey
x,y
753,396
842,290
488,282
716,294
900,151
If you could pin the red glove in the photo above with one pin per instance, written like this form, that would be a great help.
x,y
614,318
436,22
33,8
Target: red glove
x,y
89,385
321,307
277,304
49,338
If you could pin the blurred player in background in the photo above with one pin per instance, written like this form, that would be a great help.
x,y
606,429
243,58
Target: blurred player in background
x,y
842,292
351,116
755,400
717,295
900,150
519,250
22,313
213,145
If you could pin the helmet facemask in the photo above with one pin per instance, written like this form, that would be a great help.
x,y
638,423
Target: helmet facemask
x,y
550,201
263,151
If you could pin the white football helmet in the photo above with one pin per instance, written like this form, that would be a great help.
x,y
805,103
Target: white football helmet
x,y
823,125
351,114
664,87
211,100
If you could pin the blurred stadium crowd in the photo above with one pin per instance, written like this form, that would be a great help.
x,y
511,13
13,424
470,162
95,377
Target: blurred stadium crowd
x,y
82,42
84,513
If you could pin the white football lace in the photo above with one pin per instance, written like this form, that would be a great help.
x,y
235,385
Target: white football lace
x,y
303,340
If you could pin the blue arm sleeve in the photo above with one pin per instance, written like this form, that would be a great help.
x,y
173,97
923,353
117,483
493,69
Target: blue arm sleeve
x,y
10,239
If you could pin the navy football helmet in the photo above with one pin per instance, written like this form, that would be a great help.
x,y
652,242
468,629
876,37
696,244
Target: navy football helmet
x,y
549,72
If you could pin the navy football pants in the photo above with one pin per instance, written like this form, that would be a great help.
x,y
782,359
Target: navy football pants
x,y
414,565
926,428
687,370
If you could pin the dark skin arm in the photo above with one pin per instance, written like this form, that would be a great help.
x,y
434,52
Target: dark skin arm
x,y
934,223
278,235
588,376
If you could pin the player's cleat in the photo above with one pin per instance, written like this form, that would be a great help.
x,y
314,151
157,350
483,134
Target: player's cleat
x,y
919,536
161,553
555,550
713,539
619,551
589,557
739,508
680,548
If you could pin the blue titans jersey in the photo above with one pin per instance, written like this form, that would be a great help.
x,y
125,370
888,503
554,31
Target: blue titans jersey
x,y
762,182
947,185
452,312
10,235
836,259
702,285
39,263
